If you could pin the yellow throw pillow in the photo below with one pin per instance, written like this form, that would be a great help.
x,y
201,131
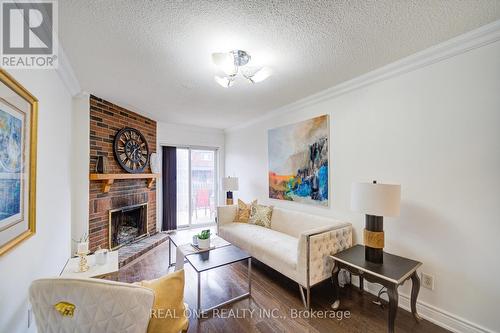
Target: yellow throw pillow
x,y
261,215
169,312
243,213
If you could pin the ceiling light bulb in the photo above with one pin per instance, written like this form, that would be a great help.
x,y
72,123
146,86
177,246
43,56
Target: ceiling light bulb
x,y
261,75
225,61
224,81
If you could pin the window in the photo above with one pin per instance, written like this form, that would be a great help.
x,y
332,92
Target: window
x,y
196,186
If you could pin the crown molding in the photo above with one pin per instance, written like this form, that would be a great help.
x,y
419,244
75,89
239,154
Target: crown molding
x,y
192,128
474,39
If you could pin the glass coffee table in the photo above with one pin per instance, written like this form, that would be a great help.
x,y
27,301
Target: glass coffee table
x,y
215,258
182,239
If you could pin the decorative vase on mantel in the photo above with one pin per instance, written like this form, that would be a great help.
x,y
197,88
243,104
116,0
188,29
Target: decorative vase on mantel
x,y
101,165
153,163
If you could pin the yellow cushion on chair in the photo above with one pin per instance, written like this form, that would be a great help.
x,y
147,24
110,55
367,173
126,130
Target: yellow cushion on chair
x,y
169,312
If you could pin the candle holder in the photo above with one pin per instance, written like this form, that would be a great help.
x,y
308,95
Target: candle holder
x,y
83,265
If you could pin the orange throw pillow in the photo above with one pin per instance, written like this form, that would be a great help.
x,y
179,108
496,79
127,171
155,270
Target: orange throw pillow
x,y
243,213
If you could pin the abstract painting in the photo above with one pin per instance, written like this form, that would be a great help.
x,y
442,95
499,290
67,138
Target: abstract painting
x,y
18,118
11,155
298,161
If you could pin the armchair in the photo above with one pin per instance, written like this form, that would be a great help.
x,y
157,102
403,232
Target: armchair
x,y
90,305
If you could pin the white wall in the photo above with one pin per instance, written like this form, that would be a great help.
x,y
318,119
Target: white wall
x,y
46,252
80,149
434,130
181,135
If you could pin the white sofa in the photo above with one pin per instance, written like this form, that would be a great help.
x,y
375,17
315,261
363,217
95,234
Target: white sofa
x,y
297,245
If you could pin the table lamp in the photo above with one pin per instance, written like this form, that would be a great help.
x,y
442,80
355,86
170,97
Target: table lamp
x,y
376,201
229,184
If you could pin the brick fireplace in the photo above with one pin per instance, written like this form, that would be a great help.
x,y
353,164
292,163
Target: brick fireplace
x,y
127,225
106,119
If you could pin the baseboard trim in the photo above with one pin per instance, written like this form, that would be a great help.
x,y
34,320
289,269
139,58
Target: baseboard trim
x,y
442,318
433,314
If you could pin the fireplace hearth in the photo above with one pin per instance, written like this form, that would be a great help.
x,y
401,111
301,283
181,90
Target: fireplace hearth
x,y
127,225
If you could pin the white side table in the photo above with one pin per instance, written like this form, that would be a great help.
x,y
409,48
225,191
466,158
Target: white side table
x,y
70,270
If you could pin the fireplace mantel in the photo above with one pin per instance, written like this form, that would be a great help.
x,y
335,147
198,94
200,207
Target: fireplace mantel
x,y
116,189
108,179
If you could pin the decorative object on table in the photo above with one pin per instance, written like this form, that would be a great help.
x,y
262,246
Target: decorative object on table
x,y
298,161
107,270
153,163
83,264
376,201
391,274
101,256
82,251
243,212
18,140
182,241
131,150
204,239
82,245
261,215
101,165
229,184
195,240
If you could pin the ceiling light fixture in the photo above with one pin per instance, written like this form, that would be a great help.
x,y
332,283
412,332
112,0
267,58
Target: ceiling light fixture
x,y
234,62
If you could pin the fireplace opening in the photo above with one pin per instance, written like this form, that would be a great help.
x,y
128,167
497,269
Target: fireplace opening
x,y
127,225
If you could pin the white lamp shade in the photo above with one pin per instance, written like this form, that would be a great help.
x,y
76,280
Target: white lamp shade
x,y
223,81
261,75
376,199
230,184
225,61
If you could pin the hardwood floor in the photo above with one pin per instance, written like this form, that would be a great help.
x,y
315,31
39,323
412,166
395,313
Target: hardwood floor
x,y
275,301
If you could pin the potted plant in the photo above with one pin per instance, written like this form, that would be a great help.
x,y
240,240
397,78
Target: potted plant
x,y
204,239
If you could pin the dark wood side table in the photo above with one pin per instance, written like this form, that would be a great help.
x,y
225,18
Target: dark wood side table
x,y
392,273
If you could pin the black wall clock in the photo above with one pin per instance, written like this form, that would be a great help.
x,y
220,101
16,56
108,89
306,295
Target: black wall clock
x,y
131,150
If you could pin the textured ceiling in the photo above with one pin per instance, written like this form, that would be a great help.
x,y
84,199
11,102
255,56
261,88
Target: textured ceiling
x,y
154,56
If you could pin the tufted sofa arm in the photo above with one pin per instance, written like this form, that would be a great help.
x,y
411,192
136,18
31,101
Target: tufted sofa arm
x,y
314,249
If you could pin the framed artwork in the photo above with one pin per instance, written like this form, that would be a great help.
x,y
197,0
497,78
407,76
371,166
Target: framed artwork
x,y
298,161
18,137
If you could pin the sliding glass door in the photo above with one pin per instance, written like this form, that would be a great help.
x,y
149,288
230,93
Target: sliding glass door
x,y
203,191
182,187
196,186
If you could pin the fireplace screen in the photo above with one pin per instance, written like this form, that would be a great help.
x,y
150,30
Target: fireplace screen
x,y
127,225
